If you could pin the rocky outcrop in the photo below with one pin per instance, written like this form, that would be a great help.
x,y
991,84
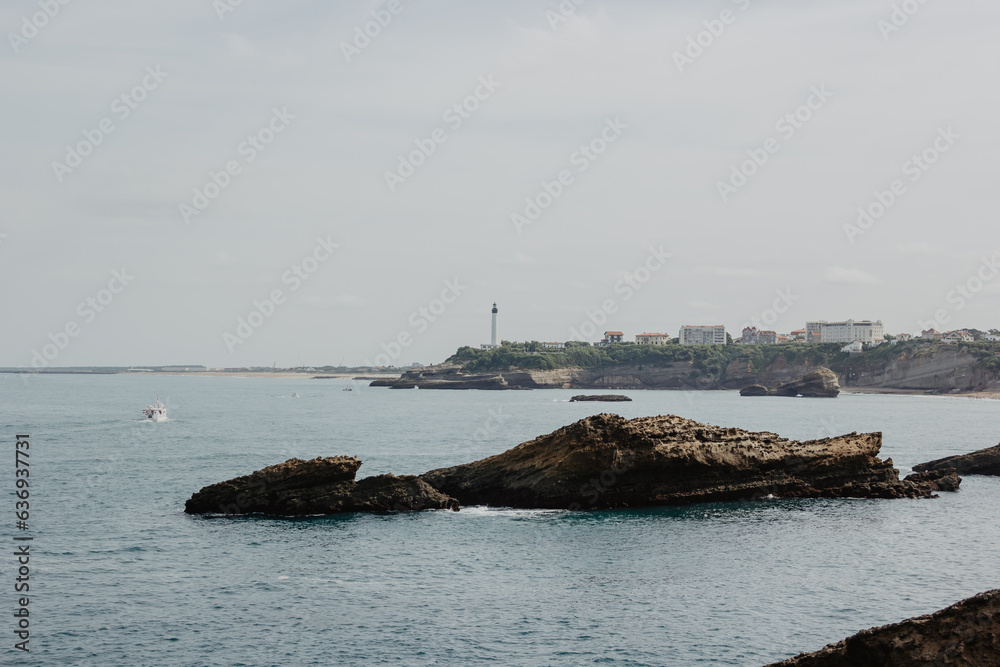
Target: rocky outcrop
x,y
605,398
319,486
966,634
607,461
945,479
981,462
820,383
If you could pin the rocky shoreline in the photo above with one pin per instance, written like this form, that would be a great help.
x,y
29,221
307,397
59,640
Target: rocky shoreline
x,y
981,462
600,462
965,634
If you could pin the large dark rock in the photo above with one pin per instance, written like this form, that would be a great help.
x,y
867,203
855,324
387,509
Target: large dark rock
x,y
966,634
820,383
319,486
608,461
606,398
981,462
943,479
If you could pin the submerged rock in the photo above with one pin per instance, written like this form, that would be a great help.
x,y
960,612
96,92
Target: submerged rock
x,y
607,461
606,398
965,634
319,486
981,462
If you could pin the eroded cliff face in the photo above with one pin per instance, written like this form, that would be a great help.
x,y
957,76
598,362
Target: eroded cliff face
x,y
944,370
966,634
607,461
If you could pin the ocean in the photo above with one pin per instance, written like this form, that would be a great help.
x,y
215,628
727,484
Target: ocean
x,y
121,576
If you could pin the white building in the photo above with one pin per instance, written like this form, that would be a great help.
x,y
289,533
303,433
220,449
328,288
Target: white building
x,y
853,348
957,337
553,346
652,339
848,331
703,335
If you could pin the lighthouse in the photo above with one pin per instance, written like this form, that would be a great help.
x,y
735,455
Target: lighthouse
x,y
493,332
493,328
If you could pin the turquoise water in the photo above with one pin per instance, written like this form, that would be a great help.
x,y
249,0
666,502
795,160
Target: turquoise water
x,y
121,576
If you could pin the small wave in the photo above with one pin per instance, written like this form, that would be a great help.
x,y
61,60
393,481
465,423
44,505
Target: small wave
x,y
484,510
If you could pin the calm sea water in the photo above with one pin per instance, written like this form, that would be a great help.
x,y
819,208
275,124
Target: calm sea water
x,y
121,576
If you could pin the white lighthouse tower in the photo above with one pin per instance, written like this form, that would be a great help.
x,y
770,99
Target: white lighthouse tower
x,y
493,328
493,331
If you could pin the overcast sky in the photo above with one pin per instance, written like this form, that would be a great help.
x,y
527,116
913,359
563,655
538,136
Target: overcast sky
x,y
664,123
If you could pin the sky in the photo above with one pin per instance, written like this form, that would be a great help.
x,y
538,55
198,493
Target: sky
x,y
308,183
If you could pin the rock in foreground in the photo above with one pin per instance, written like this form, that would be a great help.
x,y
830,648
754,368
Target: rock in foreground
x,y
607,461
964,634
981,462
606,398
319,486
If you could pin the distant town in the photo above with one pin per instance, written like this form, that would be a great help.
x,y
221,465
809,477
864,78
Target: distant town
x,y
855,335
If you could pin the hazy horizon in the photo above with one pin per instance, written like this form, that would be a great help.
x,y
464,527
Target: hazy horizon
x,y
187,165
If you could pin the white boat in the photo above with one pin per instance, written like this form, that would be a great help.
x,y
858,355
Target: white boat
x,y
156,412
348,389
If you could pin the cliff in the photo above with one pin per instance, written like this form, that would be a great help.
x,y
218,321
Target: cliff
x,y
917,365
966,634
607,461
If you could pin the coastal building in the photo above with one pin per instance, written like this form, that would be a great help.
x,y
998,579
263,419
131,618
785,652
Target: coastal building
x,y
953,337
612,337
754,336
931,334
798,333
903,337
652,339
553,346
493,331
853,348
847,331
703,335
